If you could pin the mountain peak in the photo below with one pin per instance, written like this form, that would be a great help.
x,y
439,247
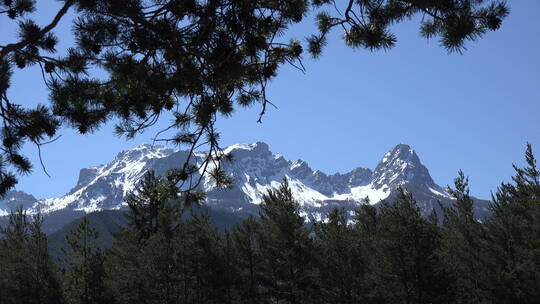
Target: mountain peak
x,y
259,148
13,199
255,170
145,150
399,166
401,152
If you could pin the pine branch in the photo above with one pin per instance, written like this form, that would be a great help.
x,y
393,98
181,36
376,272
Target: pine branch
x,y
21,44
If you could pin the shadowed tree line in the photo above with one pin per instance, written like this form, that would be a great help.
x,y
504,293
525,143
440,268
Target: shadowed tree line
x,y
386,255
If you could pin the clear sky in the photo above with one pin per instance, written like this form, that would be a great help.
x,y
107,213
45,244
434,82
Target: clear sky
x,y
474,111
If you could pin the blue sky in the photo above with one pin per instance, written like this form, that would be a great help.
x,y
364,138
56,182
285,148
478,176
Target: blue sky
x,y
474,111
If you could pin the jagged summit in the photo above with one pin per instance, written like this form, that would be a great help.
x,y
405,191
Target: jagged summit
x,y
400,155
145,150
14,199
255,169
243,150
400,166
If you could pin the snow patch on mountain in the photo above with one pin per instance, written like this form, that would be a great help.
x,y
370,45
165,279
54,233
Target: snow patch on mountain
x,y
303,194
361,193
440,192
255,170
105,186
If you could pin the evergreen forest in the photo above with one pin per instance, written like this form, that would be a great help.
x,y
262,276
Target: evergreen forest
x,y
382,254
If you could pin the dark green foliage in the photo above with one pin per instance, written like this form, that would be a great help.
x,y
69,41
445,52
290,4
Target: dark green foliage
x,y
514,237
367,23
343,261
173,253
141,262
106,223
464,246
150,204
84,267
163,258
16,8
197,60
27,273
251,275
288,255
410,266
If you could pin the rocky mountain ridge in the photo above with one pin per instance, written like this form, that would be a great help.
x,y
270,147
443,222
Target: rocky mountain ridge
x,y
255,169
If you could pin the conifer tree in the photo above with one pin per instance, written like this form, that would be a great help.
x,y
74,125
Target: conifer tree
x,y
251,274
123,266
230,273
84,273
366,229
287,249
411,269
27,274
464,245
142,263
343,267
148,203
514,237
205,251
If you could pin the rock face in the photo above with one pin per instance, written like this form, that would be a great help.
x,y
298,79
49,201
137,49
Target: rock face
x,y
399,166
255,169
14,199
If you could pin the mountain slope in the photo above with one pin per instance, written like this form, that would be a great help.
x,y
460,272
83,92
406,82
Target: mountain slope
x,y
109,222
255,169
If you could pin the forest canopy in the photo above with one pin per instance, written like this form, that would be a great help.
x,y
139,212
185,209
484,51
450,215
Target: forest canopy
x,y
386,254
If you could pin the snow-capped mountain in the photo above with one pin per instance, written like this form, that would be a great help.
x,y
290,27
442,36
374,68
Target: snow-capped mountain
x,y
255,169
14,199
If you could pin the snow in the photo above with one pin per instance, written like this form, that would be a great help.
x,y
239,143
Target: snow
x,y
93,204
385,157
444,194
306,195
297,164
303,194
361,192
254,172
54,204
128,166
238,147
